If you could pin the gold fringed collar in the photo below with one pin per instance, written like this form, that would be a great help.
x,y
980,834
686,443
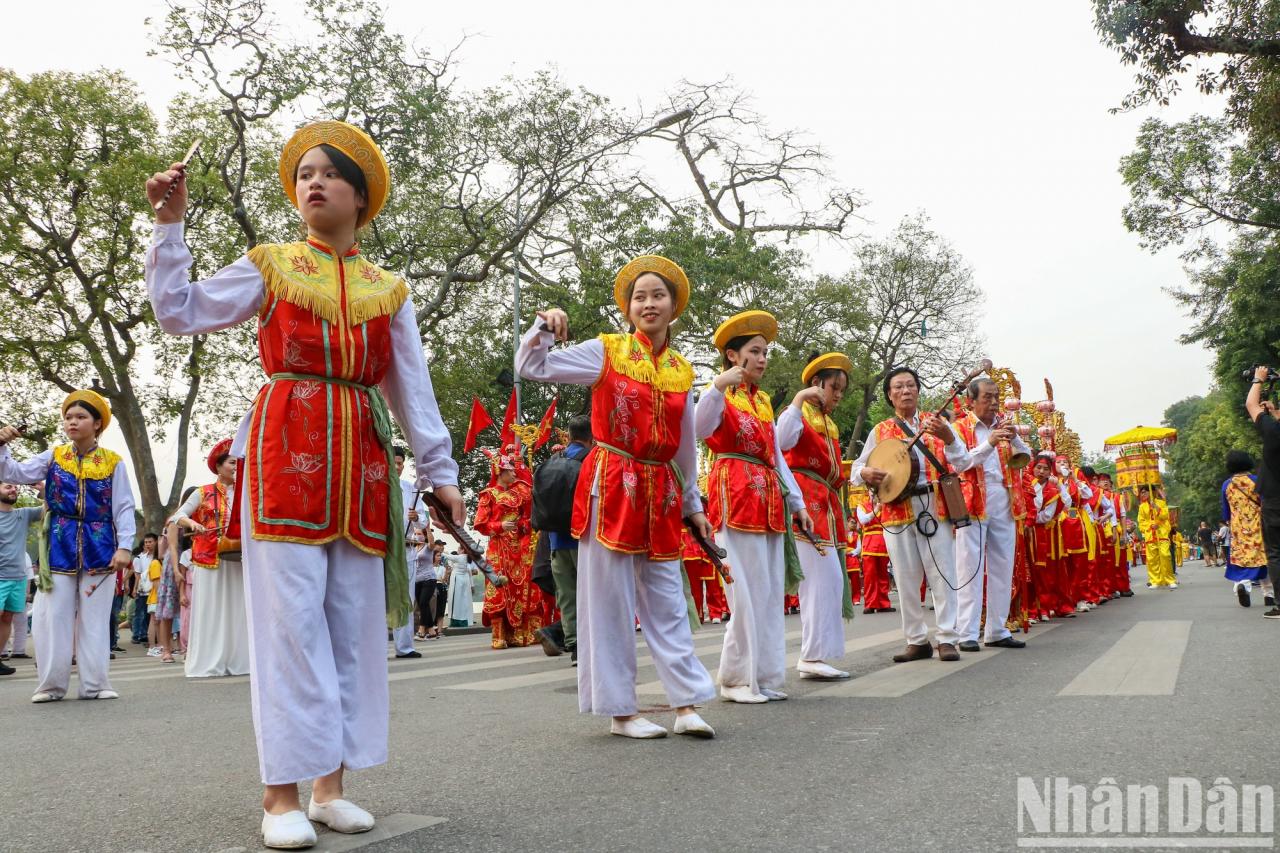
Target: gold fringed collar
x,y
631,355
306,275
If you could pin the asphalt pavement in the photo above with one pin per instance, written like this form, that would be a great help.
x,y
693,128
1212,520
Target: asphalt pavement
x,y
489,752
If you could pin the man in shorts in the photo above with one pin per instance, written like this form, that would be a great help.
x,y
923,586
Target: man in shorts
x,y
15,522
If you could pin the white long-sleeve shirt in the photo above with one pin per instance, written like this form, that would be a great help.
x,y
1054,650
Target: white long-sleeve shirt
x,y
36,469
956,453
581,364
236,292
707,418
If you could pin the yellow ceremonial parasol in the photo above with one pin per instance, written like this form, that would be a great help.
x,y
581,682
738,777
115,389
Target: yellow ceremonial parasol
x,y
1142,435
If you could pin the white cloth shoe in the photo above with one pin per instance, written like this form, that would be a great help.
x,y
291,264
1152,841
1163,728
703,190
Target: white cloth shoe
x,y
742,695
773,695
818,669
340,816
288,831
1083,607
104,694
637,727
1173,585
41,698
694,726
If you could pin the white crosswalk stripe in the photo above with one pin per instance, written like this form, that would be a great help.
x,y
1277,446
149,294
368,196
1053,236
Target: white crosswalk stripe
x,y
1144,662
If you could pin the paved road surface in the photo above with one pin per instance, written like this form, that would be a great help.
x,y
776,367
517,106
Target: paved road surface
x,y
490,754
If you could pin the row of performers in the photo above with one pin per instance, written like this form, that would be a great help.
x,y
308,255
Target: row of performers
x,y
319,513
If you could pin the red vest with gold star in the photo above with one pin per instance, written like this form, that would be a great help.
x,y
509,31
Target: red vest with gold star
x,y
316,469
815,461
637,406
745,495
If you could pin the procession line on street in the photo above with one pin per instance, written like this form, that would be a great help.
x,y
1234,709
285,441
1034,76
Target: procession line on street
x,y
900,679
1144,662
654,688
569,674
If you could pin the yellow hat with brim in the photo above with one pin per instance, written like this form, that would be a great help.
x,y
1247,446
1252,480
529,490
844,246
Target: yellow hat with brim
x,y
748,323
353,142
668,269
93,398
837,360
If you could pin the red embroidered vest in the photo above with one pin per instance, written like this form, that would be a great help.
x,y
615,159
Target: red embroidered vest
x,y
637,406
973,483
742,494
315,466
213,513
903,512
815,461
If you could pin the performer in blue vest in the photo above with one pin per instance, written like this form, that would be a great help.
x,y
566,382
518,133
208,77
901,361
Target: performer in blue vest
x,y
88,531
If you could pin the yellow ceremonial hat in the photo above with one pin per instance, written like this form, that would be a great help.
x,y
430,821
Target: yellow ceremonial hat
x,y
837,360
747,323
668,269
93,398
348,139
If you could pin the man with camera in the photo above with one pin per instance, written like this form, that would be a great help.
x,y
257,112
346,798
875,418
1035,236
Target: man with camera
x,y
1263,414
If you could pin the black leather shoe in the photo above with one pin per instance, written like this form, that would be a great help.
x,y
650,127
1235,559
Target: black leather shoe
x,y
1008,643
413,654
924,651
969,646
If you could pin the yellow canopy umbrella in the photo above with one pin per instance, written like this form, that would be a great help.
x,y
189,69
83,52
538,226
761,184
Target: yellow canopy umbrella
x,y
1142,435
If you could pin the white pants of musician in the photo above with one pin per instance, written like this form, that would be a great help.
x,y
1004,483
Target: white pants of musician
x,y
75,614
318,642
821,594
218,637
403,636
614,589
990,542
915,556
754,653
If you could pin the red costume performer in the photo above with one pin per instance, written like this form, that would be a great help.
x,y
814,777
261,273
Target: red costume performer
x,y
514,610
703,575
875,557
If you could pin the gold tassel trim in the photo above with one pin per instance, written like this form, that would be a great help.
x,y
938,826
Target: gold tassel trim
x,y
630,357
297,274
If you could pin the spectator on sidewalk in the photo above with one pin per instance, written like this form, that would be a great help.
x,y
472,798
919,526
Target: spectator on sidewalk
x,y
142,587
15,522
1263,413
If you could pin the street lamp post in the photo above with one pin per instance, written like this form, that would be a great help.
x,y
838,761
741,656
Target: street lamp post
x,y
665,121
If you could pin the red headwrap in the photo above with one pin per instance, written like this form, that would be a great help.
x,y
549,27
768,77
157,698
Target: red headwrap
x,y
222,448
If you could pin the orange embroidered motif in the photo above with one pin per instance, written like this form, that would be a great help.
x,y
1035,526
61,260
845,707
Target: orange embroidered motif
x,y
304,265
371,274
636,355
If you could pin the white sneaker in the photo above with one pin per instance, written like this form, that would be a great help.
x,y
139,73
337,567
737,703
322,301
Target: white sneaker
x,y
694,726
1083,607
153,652
818,669
1173,585
742,695
340,816
41,698
773,695
637,727
288,831
104,694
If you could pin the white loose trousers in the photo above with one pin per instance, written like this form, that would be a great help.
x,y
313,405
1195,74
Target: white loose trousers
x,y
913,556
614,589
991,542
76,614
821,596
318,641
218,637
754,653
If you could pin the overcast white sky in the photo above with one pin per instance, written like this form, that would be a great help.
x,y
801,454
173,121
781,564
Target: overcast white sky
x,y
990,116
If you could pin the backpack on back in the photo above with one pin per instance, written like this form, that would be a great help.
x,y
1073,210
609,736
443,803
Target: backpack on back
x,y
554,483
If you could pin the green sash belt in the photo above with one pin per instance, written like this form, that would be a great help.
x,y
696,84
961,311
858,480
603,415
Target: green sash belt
x,y
793,573
395,576
846,607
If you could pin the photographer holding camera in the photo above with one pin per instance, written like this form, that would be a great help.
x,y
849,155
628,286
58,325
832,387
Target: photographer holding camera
x,y
1263,414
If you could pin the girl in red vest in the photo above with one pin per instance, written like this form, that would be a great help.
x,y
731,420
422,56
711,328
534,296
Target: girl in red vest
x,y
323,548
746,485
810,442
636,483
875,556
219,632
